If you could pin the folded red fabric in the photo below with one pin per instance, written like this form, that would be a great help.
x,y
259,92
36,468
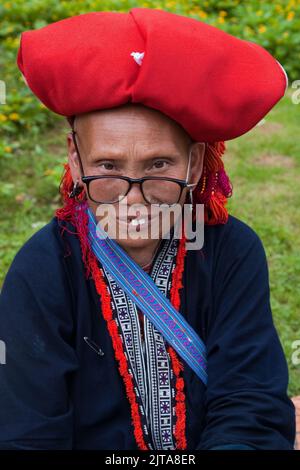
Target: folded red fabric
x,y
215,85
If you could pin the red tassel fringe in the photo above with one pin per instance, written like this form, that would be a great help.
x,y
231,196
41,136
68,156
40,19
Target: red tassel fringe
x,y
119,353
214,187
180,426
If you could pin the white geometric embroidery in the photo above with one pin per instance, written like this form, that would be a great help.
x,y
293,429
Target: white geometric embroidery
x,y
149,362
138,57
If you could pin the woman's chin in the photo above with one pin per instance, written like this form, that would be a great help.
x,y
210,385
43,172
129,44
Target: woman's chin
x,y
133,237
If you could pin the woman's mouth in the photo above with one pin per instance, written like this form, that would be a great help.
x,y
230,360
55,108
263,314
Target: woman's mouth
x,y
132,220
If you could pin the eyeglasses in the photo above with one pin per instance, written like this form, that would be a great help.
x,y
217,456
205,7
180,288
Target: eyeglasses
x,y
156,190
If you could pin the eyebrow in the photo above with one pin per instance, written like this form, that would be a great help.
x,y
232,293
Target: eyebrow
x,y
147,158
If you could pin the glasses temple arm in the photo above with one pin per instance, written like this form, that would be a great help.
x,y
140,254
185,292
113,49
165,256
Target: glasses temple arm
x,y
189,165
77,151
190,185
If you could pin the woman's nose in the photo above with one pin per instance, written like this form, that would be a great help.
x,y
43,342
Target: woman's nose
x,y
135,195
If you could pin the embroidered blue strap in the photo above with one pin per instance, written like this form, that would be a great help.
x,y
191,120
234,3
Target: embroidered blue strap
x,y
142,290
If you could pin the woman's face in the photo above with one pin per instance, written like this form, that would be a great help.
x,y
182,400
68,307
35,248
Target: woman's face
x,y
135,141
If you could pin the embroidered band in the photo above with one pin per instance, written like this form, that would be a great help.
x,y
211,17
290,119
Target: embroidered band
x,y
142,290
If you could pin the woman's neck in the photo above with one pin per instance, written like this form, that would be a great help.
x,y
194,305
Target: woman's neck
x,y
143,256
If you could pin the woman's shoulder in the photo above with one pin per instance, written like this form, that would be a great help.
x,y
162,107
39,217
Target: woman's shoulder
x,y
44,242
234,234
43,252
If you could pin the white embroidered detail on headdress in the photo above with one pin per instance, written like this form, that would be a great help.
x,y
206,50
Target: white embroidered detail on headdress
x,y
138,57
23,76
286,76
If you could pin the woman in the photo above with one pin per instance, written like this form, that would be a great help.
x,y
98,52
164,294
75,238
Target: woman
x,y
138,342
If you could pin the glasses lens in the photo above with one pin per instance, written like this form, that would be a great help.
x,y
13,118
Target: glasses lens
x,y
108,190
161,191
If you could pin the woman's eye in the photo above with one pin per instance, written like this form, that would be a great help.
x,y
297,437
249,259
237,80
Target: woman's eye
x,y
160,164
106,166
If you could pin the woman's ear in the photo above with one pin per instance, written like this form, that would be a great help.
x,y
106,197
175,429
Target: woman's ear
x,y
73,159
197,150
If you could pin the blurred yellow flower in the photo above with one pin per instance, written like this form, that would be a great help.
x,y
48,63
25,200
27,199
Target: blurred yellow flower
x,y
14,116
202,14
223,13
290,15
3,117
8,149
48,172
262,28
221,20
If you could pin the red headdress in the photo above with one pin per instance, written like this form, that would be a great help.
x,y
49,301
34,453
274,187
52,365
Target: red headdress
x,y
216,86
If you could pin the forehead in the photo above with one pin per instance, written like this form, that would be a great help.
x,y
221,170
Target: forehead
x,y
129,125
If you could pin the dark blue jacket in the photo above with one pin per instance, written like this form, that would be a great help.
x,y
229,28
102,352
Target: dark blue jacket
x,y
57,393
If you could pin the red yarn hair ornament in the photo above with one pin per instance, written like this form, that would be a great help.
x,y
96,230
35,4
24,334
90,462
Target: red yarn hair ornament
x,y
214,186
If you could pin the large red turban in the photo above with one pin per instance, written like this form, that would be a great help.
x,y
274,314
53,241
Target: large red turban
x,y
216,86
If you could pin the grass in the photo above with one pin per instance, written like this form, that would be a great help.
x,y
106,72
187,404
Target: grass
x,y
264,167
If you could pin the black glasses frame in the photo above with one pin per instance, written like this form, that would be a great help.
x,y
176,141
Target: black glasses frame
x,y
88,179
